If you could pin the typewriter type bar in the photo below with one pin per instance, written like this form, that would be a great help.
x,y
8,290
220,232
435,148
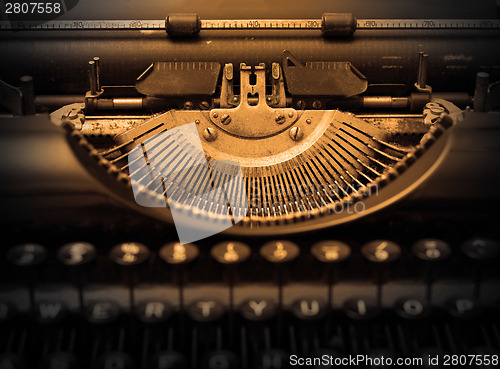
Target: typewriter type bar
x,y
190,25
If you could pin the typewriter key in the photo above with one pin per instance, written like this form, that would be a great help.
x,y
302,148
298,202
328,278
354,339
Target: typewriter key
x,y
62,360
280,251
129,253
101,312
116,359
463,308
206,310
221,359
258,310
153,311
481,249
169,360
176,253
50,311
330,251
411,309
230,252
381,251
309,309
431,249
76,253
28,254
7,311
361,308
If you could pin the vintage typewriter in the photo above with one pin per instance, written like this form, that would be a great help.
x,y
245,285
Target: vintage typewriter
x,y
368,145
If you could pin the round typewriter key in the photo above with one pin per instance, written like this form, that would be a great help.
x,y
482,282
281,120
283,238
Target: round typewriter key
x,y
116,359
273,358
129,253
50,311
381,251
221,359
76,253
481,248
361,308
62,360
231,252
463,308
169,360
7,311
153,311
206,310
177,253
11,361
330,251
411,308
258,310
309,309
431,249
101,312
279,251
28,254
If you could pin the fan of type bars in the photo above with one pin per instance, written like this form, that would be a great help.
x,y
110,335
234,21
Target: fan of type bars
x,y
310,170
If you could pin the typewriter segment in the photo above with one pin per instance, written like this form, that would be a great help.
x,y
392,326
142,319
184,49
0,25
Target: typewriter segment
x,y
294,190
302,168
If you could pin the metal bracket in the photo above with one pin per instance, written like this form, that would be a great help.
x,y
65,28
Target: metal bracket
x,y
253,117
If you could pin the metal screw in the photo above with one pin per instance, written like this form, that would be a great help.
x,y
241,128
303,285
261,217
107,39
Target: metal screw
x,y
317,104
209,134
290,114
188,105
296,133
308,121
225,119
235,98
197,121
204,105
280,118
437,110
301,104
214,114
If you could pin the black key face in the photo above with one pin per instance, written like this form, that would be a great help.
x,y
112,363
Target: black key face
x,y
431,249
11,361
169,360
51,311
62,360
221,359
258,310
331,251
280,251
206,310
176,253
101,312
361,308
129,253
411,309
77,253
273,359
7,311
481,248
116,360
28,254
381,251
463,308
309,309
153,311
231,252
